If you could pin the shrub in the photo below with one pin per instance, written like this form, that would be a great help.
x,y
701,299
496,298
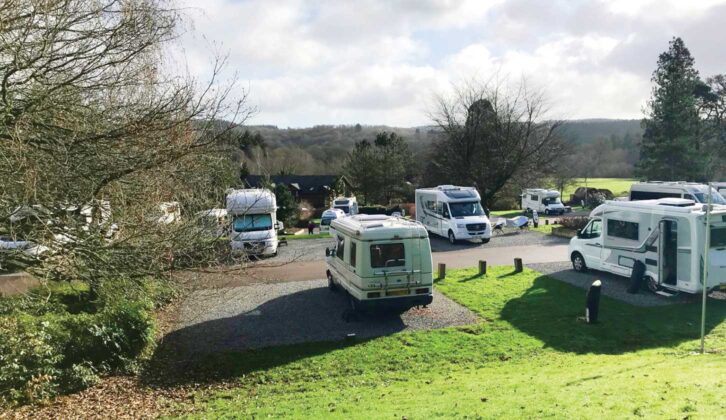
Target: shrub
x,y
574,223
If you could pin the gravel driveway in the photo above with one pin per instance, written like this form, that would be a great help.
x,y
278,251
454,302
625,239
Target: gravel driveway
x,y
612,285
256,316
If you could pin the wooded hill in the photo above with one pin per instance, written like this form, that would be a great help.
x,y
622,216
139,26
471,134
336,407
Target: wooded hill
x,y
604,148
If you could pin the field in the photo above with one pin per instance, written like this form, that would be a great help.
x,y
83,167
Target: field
x,y
619,186
530,356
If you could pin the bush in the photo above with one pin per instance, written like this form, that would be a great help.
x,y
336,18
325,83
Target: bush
x,y
574,223
47,352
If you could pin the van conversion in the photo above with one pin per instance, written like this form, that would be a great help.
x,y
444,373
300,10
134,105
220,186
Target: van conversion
x,y
253,213
666,235
453,212
542,201
328,216
381,262
688,190
349,205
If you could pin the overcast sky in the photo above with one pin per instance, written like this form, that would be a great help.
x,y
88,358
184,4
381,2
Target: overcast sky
x,y
381,62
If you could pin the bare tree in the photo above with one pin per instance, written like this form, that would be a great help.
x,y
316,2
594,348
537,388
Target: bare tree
x,y
90,114
493,136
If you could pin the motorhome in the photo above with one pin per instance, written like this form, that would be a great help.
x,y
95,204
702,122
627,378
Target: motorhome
x,y
666,235
213,221
253,214
688,190
381,262
349,205
453,212
328,216
542,201
720,187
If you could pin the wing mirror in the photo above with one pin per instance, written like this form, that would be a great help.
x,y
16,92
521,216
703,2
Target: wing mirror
x,y
328,252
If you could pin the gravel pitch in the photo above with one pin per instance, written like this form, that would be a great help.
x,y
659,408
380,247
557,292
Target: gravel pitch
x,y
258,316
612,285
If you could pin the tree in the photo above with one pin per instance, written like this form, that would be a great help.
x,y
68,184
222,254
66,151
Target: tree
x,y
492,137
89,116
287,209
379,170
670,149
711,96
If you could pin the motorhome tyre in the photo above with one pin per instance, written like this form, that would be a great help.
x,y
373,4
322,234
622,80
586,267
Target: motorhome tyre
x,y
651,284
485,240
578,262
452,238
331,283
353,304
636,277
547,212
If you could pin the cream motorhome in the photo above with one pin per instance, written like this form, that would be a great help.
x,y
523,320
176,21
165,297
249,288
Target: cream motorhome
x,y
688,190
453,212
666,235
542,200
327,218
349,205
253,214
381,262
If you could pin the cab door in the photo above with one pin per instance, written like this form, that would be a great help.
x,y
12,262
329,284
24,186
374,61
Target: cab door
x,y
592,243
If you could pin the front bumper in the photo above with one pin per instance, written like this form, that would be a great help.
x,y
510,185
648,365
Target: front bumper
x,y
255,247
476,234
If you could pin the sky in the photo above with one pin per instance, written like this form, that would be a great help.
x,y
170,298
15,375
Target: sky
x,y
306,63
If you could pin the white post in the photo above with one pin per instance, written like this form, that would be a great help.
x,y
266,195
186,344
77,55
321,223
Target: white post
x,y
707,246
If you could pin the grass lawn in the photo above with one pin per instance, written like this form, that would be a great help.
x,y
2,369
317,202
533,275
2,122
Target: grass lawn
x,y
306,236
619,186
530,356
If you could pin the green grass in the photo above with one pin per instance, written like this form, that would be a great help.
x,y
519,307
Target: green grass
x,y
306,236
619,186
530,356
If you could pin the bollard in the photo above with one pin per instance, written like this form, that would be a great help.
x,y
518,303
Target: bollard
x,y
442,271
517,265
547,222
482,268
593,302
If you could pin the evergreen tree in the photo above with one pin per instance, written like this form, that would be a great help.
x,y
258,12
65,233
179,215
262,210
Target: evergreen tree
x,y
287,209
670,146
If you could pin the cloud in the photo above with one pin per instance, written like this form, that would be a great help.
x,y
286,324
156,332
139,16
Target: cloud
x,y
381,62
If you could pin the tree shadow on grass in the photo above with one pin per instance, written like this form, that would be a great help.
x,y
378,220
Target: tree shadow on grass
x,y
552,311
298,325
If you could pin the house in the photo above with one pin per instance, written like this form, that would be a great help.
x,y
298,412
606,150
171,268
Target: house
x,y
318,190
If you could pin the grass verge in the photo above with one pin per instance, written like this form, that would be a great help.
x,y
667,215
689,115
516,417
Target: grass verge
x,y
306,236
530,356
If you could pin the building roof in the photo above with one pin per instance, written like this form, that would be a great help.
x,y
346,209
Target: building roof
x,y
302,183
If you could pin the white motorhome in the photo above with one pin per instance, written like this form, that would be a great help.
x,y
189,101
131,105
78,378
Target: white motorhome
x,y
328,216
689,190
381,262
720,187
213,221
666,235
253,213
453,212
542,201
349,205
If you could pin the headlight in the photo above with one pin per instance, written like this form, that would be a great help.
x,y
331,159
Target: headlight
x,y
460,226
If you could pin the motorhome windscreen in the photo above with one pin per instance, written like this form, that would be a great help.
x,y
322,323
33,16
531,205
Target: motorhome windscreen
x,y
326,221
551,200
718,236
716,198
388,255
252,222
468,208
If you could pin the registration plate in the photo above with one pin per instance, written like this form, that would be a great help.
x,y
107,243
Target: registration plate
x,y
401,292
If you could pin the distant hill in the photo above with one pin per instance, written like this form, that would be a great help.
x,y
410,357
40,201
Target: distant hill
x,y
587,131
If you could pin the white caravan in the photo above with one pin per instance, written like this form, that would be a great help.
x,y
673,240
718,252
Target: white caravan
x,y
381,262
253,213
542,200
328,216
666,235
349,205
213,221
688,190
453,212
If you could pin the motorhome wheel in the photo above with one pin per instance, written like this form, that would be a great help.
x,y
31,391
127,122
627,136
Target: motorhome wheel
x,y
331,284
353,303
547,211
653,285
452,238
485,240
578,263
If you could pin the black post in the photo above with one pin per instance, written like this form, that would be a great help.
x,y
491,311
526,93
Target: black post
x,y
482,268
547,221
517,265
442,271
593,302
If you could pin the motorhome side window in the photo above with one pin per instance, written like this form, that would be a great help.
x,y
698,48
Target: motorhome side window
x,y
623,229
340,249
534,197
388,255
594,229
352,253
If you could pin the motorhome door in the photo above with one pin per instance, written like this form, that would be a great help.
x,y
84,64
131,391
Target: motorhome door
x,y
668,252
592,246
